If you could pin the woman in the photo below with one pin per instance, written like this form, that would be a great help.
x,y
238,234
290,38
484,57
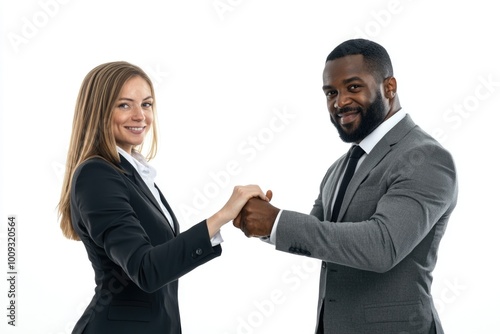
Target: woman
x,y
109,201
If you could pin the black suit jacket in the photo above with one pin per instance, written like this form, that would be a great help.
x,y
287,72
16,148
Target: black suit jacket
x,y
136,255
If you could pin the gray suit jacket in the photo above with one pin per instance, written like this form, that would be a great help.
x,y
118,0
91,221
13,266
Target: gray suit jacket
x,y
378,258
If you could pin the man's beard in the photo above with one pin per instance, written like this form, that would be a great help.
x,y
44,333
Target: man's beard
x,y
370,120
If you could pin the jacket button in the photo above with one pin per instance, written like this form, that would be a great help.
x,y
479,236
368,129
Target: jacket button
x,y
323,265
197,253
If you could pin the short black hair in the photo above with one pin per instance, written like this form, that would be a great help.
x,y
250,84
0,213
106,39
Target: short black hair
x,y
374,55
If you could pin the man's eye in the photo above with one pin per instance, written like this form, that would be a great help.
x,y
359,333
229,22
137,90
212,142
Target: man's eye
x,y
330,94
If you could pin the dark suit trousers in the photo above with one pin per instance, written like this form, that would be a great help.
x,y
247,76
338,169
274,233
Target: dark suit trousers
x,y
322,331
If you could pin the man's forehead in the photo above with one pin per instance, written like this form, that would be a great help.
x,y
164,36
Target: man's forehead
x,y
344,68
346,64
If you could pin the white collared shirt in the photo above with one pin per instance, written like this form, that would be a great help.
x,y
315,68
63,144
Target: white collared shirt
x,y
367,144
148,174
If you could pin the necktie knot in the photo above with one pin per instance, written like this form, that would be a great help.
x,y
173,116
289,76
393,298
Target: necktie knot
x,y
356,152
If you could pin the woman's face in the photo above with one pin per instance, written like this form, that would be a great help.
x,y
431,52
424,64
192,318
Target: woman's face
x,y
132,113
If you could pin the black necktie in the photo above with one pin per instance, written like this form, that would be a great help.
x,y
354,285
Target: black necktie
x,y
354,154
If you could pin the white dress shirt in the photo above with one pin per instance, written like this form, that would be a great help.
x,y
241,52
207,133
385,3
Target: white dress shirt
x,y
148,174
367,144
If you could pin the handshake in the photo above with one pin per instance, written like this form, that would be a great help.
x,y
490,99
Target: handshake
x,y
253,213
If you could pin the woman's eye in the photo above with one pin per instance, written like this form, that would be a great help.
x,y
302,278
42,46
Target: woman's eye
x,y
147,104
123,106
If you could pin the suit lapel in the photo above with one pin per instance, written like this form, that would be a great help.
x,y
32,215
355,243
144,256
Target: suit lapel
x,y
383,147
165,203
134,176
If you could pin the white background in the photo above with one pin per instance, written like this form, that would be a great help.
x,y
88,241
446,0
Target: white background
x,y
223,71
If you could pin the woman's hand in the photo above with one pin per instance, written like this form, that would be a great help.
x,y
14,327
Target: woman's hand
x,y
239,197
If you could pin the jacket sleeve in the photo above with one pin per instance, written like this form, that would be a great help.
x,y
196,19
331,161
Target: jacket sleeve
x,y
102,198
418,195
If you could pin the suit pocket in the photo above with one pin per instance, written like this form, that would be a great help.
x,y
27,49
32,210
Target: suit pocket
x,y
130,310
393,312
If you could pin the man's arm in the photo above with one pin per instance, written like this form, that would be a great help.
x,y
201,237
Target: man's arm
x,y
418,195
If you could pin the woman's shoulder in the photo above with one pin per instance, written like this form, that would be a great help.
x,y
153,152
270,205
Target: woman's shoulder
x,y
98,176
95,166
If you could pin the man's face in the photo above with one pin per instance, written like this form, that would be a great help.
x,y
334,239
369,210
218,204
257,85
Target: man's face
x,y
355,98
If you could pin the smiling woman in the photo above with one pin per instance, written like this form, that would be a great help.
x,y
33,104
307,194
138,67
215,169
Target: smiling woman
x,y
111,203
133,114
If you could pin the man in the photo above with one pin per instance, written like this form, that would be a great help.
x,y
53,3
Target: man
x,y
377,234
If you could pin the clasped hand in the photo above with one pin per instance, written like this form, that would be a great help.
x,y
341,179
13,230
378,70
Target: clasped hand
x,y
256,218
249,209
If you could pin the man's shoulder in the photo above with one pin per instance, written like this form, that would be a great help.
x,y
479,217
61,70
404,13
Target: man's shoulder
x,y
407,134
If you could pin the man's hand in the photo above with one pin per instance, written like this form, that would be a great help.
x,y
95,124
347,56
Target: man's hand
x,y
257,217
240,196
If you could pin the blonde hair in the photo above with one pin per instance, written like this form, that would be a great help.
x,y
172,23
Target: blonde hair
x,y
92,134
